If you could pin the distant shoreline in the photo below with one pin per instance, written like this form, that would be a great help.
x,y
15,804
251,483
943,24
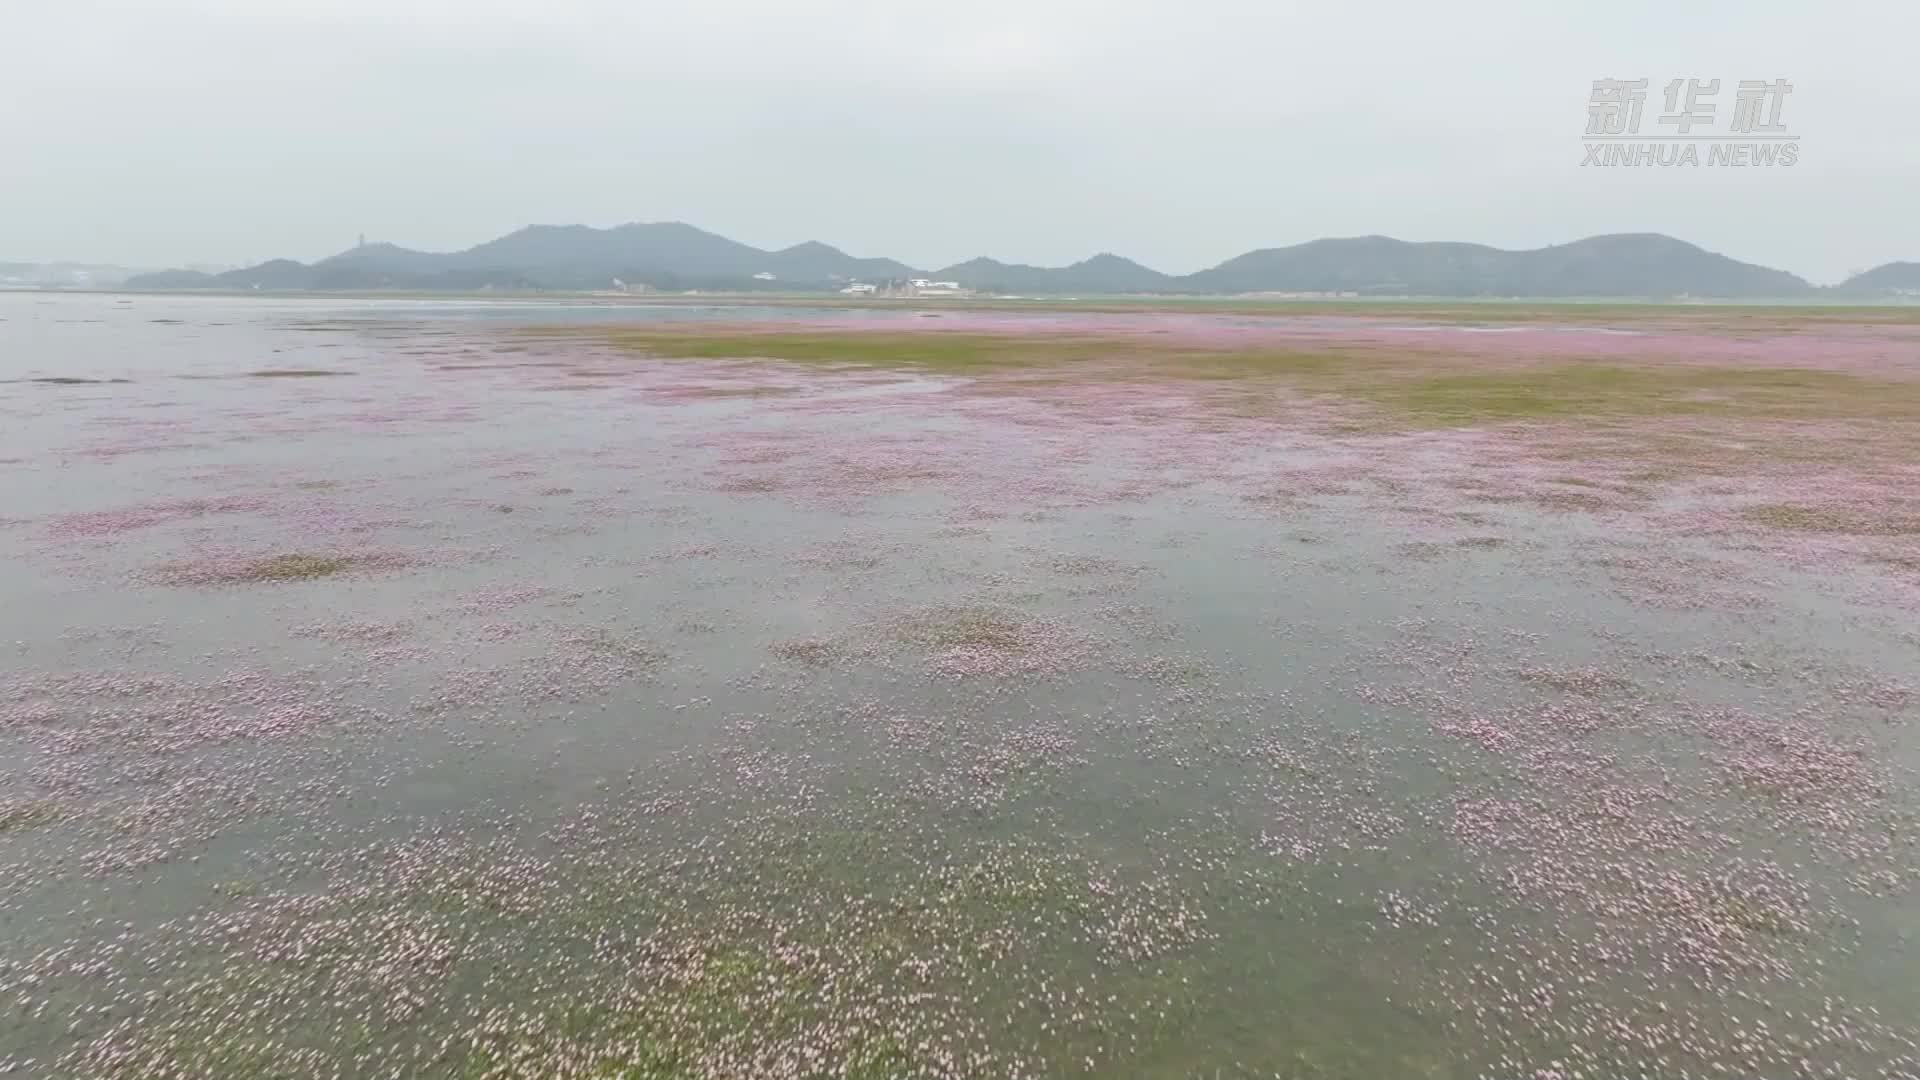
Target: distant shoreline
x,y
1426,309
1114,301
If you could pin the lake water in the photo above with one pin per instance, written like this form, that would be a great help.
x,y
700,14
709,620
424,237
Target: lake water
x,y
394,692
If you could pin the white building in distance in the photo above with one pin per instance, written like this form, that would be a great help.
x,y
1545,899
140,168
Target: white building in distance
x,y
924,287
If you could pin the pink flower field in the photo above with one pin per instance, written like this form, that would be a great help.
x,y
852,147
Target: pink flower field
x,y
537,689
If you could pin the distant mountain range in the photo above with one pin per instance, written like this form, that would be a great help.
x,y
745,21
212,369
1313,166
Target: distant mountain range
x,y
675,256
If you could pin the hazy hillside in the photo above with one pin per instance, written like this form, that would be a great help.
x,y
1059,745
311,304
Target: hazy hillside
x,y
176,279
674,255
571,257
1100,274
1635,264
387,259
82,275
1892,279
814,261
576,250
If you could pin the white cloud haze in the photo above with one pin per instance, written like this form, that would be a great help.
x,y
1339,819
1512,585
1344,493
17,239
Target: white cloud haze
x,y
1179,134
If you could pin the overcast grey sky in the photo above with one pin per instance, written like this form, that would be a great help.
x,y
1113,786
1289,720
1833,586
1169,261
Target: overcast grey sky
x,y
163,132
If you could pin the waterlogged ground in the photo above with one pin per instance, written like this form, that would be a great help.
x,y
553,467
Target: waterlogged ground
x,y
488,690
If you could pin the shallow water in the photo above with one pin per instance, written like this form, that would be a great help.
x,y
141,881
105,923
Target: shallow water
x,y
674,718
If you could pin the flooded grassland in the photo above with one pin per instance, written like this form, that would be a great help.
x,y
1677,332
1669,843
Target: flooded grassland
x,y
428,690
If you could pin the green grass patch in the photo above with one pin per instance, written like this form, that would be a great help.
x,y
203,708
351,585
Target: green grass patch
x,y
22,815
1581,390
726,392
1430,390
1840,520
964,626
295,567
813,652
933,351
